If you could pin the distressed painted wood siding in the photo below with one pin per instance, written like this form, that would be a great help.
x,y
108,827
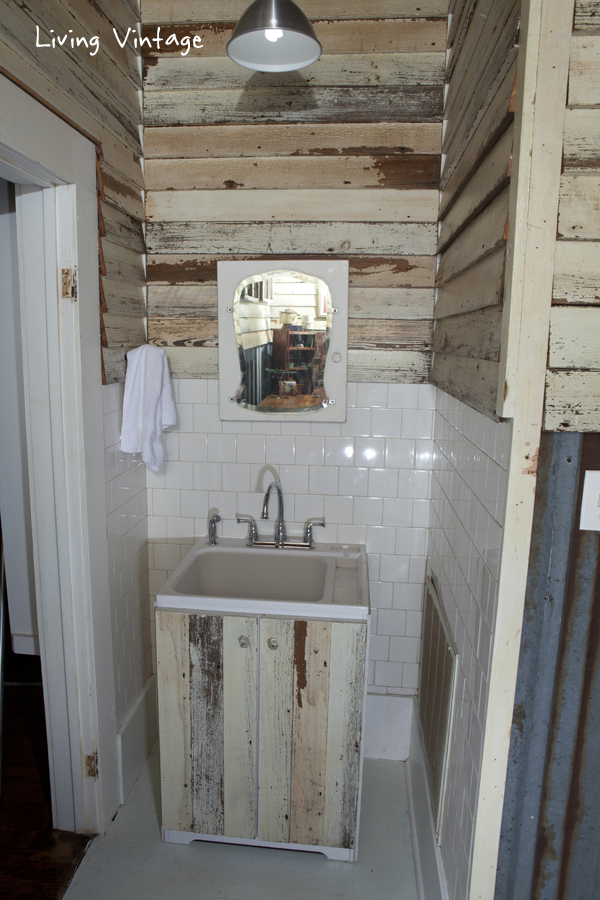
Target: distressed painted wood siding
x,y
99,95
340,160
574,350
478,147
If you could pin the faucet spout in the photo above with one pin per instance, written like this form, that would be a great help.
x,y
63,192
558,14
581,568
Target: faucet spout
x,y
280,531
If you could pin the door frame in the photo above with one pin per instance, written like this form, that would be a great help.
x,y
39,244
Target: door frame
x,y
54,167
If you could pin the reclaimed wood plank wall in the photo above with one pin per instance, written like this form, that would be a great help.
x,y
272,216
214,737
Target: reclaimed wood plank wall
x,y
573,375
341,159
475,182
99,95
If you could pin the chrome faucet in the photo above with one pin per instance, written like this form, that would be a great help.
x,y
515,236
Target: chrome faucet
x,y
280,533
212,529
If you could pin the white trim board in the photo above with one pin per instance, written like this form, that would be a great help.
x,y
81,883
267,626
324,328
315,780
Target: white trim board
x,y
55,169
136,737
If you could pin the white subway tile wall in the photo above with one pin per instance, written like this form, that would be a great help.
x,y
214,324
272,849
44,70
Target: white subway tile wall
x,y
127,527
368,477
468,490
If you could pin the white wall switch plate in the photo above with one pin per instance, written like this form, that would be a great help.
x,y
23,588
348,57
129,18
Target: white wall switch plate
x,y
590,503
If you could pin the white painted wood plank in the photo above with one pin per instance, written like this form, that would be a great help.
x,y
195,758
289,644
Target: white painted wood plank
x,y
192,362
221,73
173,673
572,401
344,733
124,330
121,263
312,646
275,729
472,381
584,84
579,207
577,272
476,287
231,10
368,205
398,366
240,705
281,238
390,303
206,715
582,139
574,338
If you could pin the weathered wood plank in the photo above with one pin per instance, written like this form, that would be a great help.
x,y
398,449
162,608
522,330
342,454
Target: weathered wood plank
x,y
407,103
364,303
473,98
481,237
240,722
373,334
121,263
312,643
124,298
474,334
469,145
120,192
336,36
478,286
572,401
584,85
473,381
184,331
231,10
577,272
82,81
579,207
469,43
193,363
343,764
458,28
368,205
587,16
491,176
206,708
114,365
276,685
215,141
364,271
574,338
396,366
121,331
120,228
173,673
221,73
347,238
481,56
582,139
96,22
340,172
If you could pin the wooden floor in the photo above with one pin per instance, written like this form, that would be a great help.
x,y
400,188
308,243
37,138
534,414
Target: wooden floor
x,y
35,860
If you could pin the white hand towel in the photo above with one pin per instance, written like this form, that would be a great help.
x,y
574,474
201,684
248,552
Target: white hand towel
x,y
148,406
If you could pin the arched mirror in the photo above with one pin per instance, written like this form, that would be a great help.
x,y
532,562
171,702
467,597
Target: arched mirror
x,y
282,339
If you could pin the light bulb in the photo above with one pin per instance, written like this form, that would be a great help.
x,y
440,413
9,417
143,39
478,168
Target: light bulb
x,y
273,34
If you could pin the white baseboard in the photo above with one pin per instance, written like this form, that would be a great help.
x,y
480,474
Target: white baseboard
x,y
136,737
388,727
429,868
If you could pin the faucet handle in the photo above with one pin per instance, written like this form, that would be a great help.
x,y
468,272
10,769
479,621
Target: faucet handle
x,y
308,535
212,529
252,529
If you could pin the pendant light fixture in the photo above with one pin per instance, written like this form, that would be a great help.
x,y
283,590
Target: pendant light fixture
x,y
274,36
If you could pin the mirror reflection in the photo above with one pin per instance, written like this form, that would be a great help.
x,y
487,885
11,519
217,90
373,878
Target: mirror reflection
x,y
283,328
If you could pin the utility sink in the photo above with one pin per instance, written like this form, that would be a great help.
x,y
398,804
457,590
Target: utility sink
x,y
329,582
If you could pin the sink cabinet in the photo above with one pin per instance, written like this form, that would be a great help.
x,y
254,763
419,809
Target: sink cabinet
x,y
261,723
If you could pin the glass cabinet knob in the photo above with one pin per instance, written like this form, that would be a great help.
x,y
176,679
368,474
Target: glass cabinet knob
x,y
244,641
272,644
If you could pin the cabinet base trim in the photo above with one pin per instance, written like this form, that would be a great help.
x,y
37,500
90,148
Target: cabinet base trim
x,y
186,837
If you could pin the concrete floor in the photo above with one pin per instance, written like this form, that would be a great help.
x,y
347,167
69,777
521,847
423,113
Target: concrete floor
x,y
130,861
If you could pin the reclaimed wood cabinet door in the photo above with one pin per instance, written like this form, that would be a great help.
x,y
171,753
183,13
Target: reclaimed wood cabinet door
x,y
261,727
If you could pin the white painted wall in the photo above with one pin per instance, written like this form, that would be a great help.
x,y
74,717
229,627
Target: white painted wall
x,y
15,509
468,490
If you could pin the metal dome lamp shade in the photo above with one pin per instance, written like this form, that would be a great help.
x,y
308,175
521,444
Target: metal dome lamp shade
x,y
274,36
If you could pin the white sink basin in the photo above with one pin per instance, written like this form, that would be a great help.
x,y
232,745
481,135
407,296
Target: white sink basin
x,y
327,582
